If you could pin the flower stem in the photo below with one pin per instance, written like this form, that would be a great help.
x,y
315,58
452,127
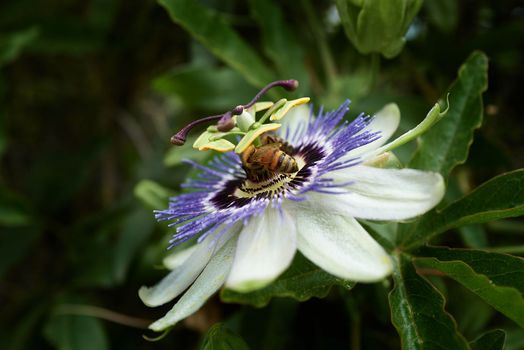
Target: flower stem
x,y
98,312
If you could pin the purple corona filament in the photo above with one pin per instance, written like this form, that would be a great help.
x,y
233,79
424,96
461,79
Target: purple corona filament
x,y
225,120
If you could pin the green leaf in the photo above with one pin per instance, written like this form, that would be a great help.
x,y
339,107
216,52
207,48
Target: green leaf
x,y
15,244
474,236
443,14
152,194
72,332
384,233
14,209
10,216
12,45
136,229
496,278
417,311
3,132
19,334
205,88
472,317
175,155
302,281
500,197
219,337
447,143
272,327
211,29
357,83
514,339
279,42
492,340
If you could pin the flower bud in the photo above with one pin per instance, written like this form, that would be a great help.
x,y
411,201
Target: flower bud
x,y
377,26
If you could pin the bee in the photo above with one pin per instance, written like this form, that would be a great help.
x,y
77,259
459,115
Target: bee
x,y
273,156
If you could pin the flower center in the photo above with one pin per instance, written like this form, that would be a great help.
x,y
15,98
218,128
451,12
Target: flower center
x,y
239,192
275,184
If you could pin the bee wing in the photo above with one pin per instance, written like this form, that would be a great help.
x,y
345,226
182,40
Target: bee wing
x,y
269,138
264,154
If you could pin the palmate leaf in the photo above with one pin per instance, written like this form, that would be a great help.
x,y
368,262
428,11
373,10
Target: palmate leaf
x,y
417,311
209,28
302,281
498,198
447,143
496,278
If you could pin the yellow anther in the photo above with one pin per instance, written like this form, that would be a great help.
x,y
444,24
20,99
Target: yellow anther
x,y
287,107
221,145
251,136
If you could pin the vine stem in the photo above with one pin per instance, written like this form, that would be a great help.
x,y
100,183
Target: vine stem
x,y
98,312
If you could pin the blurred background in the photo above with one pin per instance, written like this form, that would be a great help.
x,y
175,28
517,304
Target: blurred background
x,y
91,91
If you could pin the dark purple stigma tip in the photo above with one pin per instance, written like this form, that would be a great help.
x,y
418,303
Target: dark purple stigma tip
x,y
178,140
238,110
290,85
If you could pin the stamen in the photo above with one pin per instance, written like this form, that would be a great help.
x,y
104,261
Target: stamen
x,y
225,121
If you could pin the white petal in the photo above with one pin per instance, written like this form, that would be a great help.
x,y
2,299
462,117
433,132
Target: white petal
x,y
209,281
265,249
339,245
181,277
384,160
296,118
178,258
386,194
386,122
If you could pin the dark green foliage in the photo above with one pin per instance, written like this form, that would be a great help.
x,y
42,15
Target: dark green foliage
x,y
75,332
498,198
417,311
219,337
302,281
497,278
447,144
492,340
213,31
